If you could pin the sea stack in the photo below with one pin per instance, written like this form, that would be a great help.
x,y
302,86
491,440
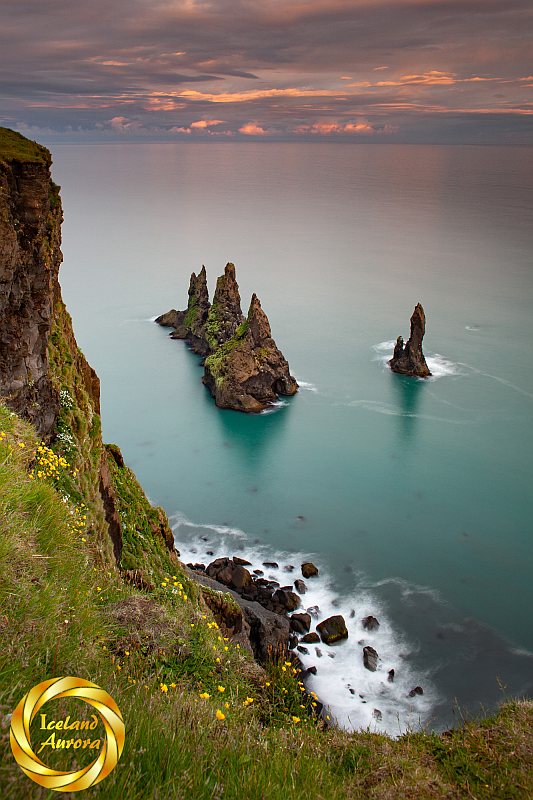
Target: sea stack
x,y
244,370
409,359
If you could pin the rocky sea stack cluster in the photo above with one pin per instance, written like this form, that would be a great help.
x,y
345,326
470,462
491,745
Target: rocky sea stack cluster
x,y
243,368
408,359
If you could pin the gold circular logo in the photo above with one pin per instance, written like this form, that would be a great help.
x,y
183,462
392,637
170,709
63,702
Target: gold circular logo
x,y
109,753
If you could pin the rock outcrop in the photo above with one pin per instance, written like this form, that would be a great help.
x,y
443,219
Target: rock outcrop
x,y
408,359
244,370
263,631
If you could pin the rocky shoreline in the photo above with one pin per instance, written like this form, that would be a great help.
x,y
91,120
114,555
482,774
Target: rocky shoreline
x,y
243,368
271,620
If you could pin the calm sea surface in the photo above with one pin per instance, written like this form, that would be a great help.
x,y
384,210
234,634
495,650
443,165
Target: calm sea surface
x,y
414,498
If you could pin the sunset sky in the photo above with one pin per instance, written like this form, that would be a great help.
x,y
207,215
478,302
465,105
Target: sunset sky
x,y
363,70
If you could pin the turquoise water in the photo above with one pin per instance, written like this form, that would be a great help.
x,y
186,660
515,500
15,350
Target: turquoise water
x,y
414,495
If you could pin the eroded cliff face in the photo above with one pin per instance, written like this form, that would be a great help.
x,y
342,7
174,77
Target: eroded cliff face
x,y
45,377
30,255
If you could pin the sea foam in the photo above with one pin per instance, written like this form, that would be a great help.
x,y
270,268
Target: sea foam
x,y
439,365
306,386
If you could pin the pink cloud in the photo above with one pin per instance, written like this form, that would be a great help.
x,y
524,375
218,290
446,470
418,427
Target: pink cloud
x,y
433,77
123,124
253,94
206,123
361,127
252,129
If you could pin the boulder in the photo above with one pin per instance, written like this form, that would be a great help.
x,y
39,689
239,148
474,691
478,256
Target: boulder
x,y
303,650
333,629
300,586
309,570
409,359
390,676
230,574
300,623
241,562
415,691
370,623
370,658
288,601
310,638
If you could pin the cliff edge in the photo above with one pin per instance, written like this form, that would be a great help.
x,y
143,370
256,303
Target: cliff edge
x,y
44,376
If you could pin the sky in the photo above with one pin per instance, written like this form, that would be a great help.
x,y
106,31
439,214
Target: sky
x,y
422,71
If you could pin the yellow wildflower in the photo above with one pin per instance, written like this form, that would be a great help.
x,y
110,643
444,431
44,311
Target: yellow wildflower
x,y
219,715
163,687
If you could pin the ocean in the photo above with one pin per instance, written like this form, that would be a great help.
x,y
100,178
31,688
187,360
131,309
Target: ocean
x,y
412,497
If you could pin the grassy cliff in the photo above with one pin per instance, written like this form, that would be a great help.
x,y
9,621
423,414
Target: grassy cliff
x,y
157,650
91,586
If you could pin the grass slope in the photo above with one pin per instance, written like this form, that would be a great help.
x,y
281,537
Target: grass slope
x,y
15,147
157,650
